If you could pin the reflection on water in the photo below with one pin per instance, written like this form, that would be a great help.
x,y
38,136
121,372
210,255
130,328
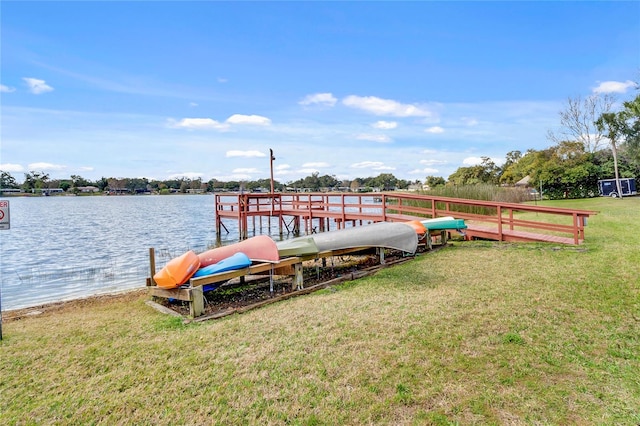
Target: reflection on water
x,y
61,248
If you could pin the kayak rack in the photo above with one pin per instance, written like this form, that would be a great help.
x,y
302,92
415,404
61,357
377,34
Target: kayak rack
x,y
193,291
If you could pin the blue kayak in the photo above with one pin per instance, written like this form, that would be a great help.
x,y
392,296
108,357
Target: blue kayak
x,y
236,261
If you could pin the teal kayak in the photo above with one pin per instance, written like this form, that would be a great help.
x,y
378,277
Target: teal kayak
x,y
442,223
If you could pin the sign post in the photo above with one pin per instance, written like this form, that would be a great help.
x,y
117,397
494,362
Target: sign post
x,y
4,214
4,225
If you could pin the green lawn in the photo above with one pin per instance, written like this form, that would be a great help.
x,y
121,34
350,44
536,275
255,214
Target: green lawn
x,y
476,333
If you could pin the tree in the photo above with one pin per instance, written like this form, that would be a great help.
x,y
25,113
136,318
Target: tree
x,y
623,128
327,181
613,124
485,172
34,180
77,181
578,120
102,183
7,181
565,171
435,181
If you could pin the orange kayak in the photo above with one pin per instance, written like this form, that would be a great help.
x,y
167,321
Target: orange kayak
x,y
418,227
259,249
178,270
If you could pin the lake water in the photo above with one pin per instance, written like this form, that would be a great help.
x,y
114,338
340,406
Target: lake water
x,y
61,248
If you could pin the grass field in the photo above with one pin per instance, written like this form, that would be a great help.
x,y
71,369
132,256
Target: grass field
x,y
476,333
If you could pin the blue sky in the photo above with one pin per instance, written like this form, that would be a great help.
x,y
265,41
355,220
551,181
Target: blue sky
x,y
352,89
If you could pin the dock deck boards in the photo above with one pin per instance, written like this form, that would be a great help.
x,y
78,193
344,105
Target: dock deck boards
x,y
312,212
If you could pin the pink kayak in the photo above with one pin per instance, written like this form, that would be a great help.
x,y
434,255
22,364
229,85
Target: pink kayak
x,y
259,249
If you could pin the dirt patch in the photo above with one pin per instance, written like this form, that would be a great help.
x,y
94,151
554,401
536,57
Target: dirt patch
x,y
72,305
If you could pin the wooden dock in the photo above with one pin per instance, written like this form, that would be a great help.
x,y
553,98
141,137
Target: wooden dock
x,y
330,211
298,213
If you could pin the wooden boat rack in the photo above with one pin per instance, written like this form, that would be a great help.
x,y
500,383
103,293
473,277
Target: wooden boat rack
x,y
192,292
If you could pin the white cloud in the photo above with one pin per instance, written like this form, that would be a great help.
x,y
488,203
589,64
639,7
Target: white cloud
x,y
37,86
222,80
427,170
385,125
238,176
245,170
249,119
429,151
198,123
193,104
380,106
373,165
432,162
472,161
614,86
248,154
11,168
6,89
284,172
318,164
282,167
232,177
374,138
434,130
470,121
366,164
308,170
86,169
41,167
326,99
211,124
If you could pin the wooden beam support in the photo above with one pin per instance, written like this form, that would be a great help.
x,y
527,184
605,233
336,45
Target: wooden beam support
x,y
196,305
298,278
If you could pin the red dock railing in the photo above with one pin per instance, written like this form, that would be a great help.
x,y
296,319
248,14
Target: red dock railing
x,y
324,211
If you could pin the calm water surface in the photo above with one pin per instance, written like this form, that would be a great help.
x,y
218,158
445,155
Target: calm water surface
x,y
61,248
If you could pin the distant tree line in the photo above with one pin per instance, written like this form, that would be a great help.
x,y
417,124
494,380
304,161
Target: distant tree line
x,y
594,143
39,181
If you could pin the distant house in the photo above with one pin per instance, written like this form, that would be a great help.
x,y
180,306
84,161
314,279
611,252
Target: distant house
x,y
48,191
88,189
7,191
524,181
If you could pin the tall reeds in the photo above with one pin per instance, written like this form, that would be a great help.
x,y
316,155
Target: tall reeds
x,y
483,192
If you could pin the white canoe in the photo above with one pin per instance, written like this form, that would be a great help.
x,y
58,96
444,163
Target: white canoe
x,y
394,235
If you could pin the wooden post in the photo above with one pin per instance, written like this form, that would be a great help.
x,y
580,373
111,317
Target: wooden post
x,y
381,255
152,264
271,280
298,279
296,225
499,208
196,306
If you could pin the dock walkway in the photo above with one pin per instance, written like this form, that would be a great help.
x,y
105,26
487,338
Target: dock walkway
x,y
307,213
